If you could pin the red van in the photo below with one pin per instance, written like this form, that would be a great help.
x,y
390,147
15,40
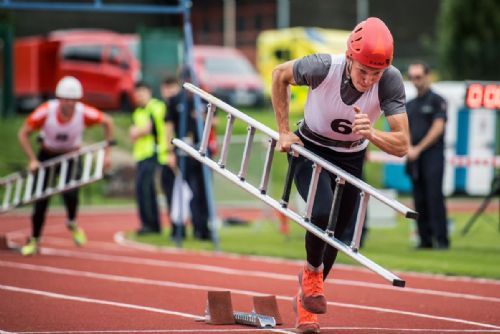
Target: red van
x,y
102,60
226,73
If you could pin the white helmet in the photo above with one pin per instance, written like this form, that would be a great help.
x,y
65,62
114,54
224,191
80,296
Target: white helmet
x,y
69,88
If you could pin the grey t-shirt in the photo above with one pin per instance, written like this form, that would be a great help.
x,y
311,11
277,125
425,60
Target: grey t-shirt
x,y
312,70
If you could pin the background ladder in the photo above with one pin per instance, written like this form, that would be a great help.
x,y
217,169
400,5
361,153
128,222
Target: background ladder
x,y
260,191
65,172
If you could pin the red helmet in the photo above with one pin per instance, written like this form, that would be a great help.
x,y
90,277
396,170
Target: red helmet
x,y
371,43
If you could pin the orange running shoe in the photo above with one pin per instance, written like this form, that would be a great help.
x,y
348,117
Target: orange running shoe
x,y
306,322
311,287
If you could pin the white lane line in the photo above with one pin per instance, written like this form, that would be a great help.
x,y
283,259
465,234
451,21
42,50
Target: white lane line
x,y
97,301
221,330
120,239
284,330
254,273
128,279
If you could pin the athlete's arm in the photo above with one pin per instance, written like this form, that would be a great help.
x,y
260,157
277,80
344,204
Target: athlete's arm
x,y
395,142
282,79
23,135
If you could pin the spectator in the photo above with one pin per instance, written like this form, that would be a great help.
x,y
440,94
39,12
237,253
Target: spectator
x,y
61,123
193,174
425,164
149,137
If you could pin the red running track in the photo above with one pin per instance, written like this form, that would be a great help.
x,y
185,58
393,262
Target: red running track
x,y
112,287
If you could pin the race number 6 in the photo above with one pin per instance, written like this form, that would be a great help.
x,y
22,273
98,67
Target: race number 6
x,y
342,126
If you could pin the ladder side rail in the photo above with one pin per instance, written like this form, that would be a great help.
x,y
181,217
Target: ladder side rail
x,y
360,220
226,141
206,130
79,152
332,241
399,207
264,182
8,178
246,153
77,184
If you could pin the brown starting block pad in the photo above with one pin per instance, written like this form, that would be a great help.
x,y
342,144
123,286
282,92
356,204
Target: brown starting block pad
x,y
267,305
219,311
219,308
4,243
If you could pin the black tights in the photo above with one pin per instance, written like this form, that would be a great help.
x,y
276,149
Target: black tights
x,y
70,197
316,249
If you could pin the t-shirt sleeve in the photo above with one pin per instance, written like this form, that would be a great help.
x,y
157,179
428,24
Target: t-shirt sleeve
x,y
92,116
440,107
312,70
37,118
391,92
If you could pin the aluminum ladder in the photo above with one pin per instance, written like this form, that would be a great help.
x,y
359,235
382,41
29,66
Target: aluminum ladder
x,y
260,191
26,187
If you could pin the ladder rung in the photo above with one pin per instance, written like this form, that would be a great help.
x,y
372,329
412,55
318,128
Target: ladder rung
x,y
226,142
87,166
313,186
246,153
6,195
264,182
40,180
288,181
337,198
63,174
99,165
360,220
17,194
206,130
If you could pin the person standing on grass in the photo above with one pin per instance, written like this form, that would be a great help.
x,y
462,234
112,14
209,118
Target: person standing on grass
x,y
148,136
61,123
347,94
425,163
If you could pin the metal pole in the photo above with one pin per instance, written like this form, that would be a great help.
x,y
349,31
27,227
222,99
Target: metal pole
x,y
362,9
229,23
188,61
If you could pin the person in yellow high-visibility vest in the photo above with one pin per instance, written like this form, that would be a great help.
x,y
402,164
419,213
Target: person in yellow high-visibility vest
x,y
150,148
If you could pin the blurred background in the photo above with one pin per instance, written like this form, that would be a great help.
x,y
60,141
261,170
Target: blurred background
x,y
110,45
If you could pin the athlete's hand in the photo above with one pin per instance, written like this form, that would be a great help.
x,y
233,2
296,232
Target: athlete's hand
x,y
33,165
362,125
286,140
107,161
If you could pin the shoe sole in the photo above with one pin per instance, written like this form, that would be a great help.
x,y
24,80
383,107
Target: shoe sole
x,y
302,330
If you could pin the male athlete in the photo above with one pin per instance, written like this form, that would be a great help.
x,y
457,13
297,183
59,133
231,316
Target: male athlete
x,y
347,94
61,123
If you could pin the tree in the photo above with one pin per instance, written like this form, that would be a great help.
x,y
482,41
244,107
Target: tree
x,y
469,40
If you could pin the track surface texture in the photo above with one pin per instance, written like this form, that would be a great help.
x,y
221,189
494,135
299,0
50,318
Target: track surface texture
x,y
111,286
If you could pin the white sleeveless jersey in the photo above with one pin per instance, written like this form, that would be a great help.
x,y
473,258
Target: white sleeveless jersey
x,y
63,137
327,115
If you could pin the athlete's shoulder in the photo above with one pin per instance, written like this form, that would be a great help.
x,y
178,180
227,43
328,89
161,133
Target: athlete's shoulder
x,y
311,70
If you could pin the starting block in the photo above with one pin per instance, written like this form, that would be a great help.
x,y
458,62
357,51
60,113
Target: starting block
x,y
4,242
219,311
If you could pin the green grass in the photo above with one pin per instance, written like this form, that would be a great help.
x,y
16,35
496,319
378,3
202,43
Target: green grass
x,y
477,254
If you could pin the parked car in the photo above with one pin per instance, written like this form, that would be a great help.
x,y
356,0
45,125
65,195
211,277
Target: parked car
x,y
226,73
102,60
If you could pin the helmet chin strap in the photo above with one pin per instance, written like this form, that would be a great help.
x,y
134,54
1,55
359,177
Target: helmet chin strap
x,y
348,71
